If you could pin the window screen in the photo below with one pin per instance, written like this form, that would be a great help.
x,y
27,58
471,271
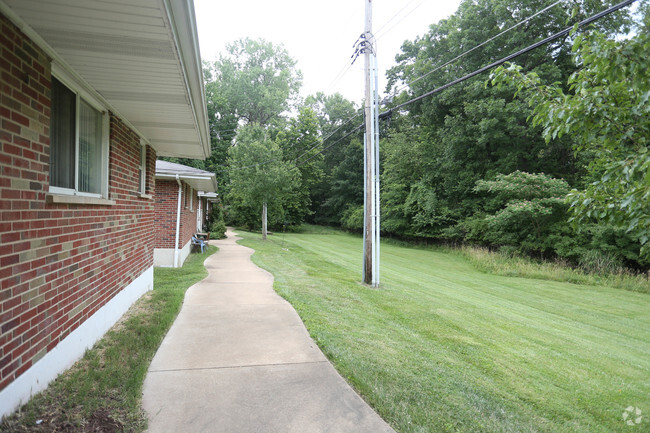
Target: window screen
x,y
62,136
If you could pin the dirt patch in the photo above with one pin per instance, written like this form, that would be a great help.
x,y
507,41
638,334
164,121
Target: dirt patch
x,y
57,420
53,417
101,422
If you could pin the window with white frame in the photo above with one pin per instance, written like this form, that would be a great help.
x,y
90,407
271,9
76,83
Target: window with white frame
x,y
78,144
143,169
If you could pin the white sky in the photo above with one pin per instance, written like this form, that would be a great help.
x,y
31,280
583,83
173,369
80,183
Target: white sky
x,y
319,35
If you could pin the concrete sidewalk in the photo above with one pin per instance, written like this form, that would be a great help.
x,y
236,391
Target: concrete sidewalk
x,y
238,359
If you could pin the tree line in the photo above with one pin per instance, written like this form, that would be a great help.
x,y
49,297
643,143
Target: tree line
x,y
546,156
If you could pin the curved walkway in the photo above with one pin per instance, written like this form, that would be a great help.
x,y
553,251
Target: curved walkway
x,y
239,359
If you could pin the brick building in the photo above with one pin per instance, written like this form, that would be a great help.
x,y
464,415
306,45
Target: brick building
x,y
181,203
91,93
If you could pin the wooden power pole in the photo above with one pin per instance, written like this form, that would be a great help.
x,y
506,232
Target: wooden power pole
x,y
371,157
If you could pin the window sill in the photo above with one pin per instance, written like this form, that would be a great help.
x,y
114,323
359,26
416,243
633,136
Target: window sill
x,y
77,199
145,196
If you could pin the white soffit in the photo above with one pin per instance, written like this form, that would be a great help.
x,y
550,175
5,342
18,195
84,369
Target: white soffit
x,y
200,180
140,56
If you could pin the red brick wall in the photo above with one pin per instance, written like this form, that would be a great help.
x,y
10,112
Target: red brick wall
x,y
188,218
58,263
166,195
166,198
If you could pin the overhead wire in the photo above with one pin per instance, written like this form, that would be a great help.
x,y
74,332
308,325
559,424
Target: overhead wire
x,y
514,55
326,138
344,70
437,68
330,145
492,65
348,65
396,14
299,156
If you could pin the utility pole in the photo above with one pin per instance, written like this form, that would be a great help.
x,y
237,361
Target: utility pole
x,y
371,156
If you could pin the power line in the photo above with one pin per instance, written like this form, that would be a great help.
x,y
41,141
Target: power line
x,y
348,65
344,70
330,145
326,138
299,156
450,84
479,45
515,55
378,31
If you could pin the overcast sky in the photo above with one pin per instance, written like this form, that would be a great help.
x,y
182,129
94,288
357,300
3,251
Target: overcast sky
x,y
319,35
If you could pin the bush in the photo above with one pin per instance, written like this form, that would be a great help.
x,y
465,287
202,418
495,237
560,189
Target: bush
x,y
352,218
218,229
529,208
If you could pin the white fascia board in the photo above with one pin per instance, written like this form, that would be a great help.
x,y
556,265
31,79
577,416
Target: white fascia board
x,y
182,20
197,182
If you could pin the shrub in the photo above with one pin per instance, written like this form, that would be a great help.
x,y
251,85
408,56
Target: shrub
x,y
529,208
218,229
352,218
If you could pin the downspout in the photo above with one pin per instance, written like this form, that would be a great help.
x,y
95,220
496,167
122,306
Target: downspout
x,y
199,215
178,222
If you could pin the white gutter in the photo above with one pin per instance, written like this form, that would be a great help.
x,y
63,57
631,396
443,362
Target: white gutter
x,y
185,176
178,223
199,216
188,178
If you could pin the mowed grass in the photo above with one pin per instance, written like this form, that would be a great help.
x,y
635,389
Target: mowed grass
x,y
442,347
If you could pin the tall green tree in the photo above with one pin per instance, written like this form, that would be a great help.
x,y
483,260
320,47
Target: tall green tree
x,y
258,79
255,82
469,132
262,181
302,145
606,111
222,122
341,185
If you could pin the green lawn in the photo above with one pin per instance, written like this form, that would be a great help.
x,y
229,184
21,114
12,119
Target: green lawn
x,y
442,347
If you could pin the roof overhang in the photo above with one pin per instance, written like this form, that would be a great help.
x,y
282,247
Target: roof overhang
x,y
209,196
139,58
198,183
198,179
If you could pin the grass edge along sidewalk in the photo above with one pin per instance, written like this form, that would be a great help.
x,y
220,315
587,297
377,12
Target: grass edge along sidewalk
x,y
443,347
103,390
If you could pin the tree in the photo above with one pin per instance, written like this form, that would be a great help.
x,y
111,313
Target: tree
x,y
262,182
302,144
254,83
469,132
346,187
258,79
527,209
606,111
222,122
342,162
472,132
